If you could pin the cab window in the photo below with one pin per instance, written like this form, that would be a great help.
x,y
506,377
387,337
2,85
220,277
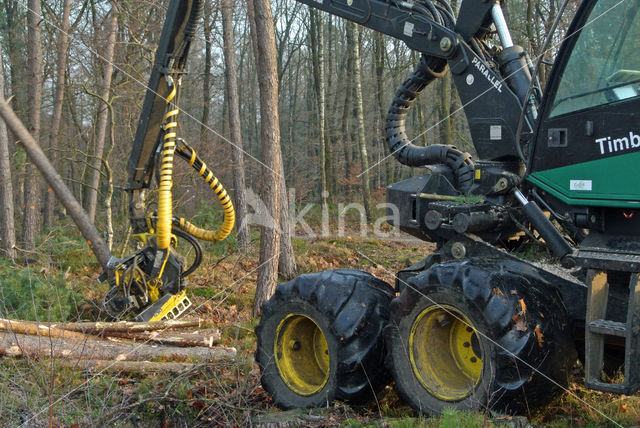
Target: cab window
x,y
604,65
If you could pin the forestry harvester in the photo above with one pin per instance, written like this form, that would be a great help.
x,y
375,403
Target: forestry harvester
x,y
473,325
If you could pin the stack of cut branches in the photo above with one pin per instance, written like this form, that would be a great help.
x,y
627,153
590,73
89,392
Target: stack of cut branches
x,y
170,345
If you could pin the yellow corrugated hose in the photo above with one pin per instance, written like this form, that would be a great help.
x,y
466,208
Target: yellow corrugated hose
x,y
165,200
215,185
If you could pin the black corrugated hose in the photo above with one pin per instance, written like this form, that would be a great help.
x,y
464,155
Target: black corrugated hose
x,y
428,69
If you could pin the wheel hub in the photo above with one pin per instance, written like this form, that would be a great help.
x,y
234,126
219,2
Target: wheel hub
x,y
302,354
445,353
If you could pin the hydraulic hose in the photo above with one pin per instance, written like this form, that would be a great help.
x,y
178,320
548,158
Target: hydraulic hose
x,y
165,200
428,70
189,154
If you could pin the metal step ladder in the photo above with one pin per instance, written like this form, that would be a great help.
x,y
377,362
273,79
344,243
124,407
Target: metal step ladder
x,y
598,327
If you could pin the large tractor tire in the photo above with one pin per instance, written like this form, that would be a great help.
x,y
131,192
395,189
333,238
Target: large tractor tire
x,y
320,339
478,334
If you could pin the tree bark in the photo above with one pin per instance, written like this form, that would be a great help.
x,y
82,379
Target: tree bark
x,y
31,183
103,115
267,69
21,345
63,193
7,229
61,66
235,128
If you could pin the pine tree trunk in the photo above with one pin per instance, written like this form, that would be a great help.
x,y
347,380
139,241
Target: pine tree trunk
x,y
61,65
7,229
267,69
31,217
103,115
235,128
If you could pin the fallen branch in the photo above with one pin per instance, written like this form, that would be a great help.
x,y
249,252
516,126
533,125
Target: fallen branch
x,y
20,345
38,329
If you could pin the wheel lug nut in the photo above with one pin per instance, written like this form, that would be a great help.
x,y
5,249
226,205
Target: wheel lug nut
x,y
474,359
295,345
466,344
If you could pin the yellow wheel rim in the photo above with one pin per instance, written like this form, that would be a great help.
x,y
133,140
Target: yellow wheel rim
x,y
302,354
445,353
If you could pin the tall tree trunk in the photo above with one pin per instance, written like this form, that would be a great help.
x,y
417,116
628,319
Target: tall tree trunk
x,y
103,116
206,79
31,183
346,112
379,50
61,68
317,47
267,68
7,230
332,102
446,128
362,139
237,154
287,267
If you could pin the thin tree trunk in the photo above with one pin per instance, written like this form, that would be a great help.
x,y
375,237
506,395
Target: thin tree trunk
x,y
103,116
379,51
267,68
37,156
7,230
362,140
31,182
109,172
346,112
317,48
287,267
58,102
235,128
206,79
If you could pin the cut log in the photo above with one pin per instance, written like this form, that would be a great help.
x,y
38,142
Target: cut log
x,y
128,326
38,329
12,344
207,337
128,366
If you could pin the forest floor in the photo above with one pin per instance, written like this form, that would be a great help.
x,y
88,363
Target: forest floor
x,y
60,282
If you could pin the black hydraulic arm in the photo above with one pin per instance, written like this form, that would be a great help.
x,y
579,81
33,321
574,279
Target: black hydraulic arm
x,y
400,20
491,100
170,59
